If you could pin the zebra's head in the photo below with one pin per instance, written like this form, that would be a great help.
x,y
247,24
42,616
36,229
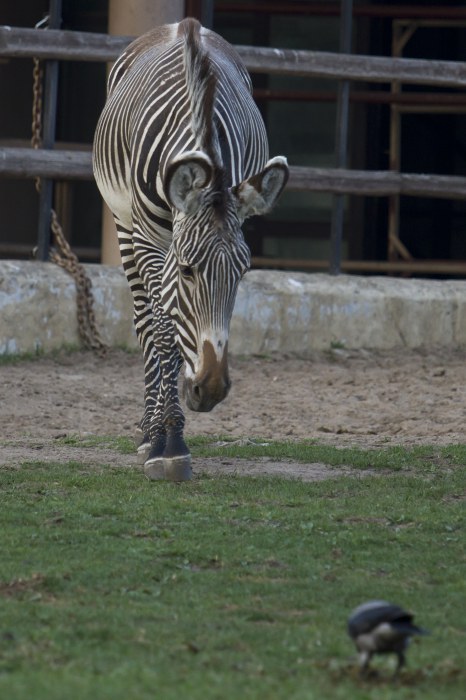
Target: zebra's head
x,y
206,262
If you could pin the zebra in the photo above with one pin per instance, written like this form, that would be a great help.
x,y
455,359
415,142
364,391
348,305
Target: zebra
x,y
181,158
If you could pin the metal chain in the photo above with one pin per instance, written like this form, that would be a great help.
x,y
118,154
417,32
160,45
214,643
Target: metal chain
x,y
37,78
62,254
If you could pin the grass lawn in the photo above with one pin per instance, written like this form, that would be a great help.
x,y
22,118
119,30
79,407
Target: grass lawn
x,y
112,586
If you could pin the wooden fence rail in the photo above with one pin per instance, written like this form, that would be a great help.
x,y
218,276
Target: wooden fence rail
x,y
53,164
77,165
86,46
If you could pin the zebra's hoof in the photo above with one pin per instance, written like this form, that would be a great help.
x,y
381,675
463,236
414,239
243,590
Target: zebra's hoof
x,y
154,469
151,455
178,468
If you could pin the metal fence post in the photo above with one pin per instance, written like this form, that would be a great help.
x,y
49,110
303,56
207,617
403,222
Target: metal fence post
x,y
207,17
48,138
203,10
341,139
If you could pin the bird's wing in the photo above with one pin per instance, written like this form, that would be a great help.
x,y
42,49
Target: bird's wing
x,y
406,627
368,616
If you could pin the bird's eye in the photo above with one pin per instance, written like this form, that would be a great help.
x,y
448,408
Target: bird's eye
x,y
187,272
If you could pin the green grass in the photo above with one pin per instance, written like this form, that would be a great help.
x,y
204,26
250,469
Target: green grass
x,y
121,444
422,458
115,587
394,458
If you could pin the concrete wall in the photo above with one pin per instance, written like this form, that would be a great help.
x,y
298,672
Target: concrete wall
x,y
275,311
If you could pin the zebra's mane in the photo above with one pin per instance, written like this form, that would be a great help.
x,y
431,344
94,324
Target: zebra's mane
x,y
201,82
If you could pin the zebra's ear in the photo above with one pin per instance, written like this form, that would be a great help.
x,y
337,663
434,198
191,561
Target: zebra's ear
x,y
259,193
186,178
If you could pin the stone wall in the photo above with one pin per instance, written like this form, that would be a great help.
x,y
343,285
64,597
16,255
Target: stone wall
x,y
274,312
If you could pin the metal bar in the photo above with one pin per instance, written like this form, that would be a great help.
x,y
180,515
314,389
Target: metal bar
x,y
332,9
207,13
15,250
394,149
341,140
48,139
401,34
408,101
434,267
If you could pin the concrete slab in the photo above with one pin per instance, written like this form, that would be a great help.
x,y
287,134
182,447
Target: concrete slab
x,y
274,312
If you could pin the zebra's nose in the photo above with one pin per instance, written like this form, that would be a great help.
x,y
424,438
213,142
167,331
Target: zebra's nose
x,y
205,394
212,382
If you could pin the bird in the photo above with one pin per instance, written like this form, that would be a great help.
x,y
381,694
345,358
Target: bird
x,y
379,627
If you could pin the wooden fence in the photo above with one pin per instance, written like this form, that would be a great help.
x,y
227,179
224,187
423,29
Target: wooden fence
x,y
59,45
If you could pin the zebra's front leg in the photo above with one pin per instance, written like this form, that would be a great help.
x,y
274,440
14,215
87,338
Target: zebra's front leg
x,y
143,323
146,445
168,458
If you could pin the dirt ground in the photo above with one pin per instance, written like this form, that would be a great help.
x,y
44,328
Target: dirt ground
x,y
340,398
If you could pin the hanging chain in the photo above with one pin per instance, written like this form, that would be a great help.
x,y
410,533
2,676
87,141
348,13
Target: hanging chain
x,y
37,78
62,253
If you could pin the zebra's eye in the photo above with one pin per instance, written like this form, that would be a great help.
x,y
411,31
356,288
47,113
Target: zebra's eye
x,y
187,272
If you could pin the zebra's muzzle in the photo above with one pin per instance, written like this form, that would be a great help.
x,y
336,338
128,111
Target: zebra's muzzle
x,y
211,384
